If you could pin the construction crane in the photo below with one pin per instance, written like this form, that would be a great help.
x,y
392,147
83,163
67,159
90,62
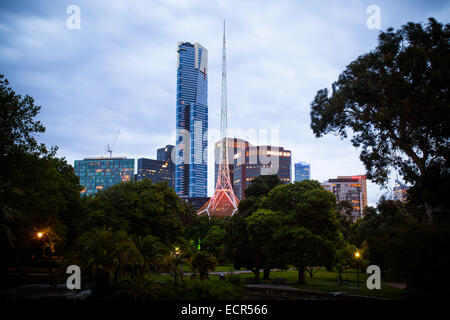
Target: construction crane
x,y
110,148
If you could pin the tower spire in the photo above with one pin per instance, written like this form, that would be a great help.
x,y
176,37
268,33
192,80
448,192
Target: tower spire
x,y
224,202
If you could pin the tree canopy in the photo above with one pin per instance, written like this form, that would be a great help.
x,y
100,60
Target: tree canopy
x,y
395,102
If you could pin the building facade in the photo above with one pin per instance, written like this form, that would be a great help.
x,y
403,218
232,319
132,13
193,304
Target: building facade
x,y
101,173
400,191
155,170
165,154
352,189
302,171
246,162
191,171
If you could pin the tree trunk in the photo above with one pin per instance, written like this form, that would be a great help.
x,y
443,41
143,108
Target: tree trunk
x,y
429,210
340,280
266,273
256,273
301,275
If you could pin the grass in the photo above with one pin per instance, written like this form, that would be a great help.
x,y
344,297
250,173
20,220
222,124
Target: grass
x,y
326,281
322,281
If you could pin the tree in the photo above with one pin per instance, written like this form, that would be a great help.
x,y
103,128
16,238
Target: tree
x,y
308,234
395,101
104,254
140,208
261,227
238,245
203,262
261,185
214,242
17,124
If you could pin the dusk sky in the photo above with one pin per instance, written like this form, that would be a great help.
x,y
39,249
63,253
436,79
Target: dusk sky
x,y
119,69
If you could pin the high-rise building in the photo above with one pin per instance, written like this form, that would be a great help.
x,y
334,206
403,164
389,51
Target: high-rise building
x,y
191,121
246,162
302,171
101,173
165,154
155,170
352,189
400,191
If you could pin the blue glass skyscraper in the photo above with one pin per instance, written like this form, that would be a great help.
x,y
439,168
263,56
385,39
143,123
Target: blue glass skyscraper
x,y
191,163
302,171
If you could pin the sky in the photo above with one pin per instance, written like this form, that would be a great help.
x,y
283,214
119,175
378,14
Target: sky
x,y
118,70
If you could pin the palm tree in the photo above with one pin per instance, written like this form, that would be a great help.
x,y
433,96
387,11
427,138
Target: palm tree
x,y
105,254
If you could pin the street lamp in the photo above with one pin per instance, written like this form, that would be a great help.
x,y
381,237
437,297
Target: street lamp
x,y
357,256
39,235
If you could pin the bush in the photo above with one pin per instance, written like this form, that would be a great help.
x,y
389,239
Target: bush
x,y
202,290
233,278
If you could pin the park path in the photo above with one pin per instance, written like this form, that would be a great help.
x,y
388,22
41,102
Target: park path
x,y
398,285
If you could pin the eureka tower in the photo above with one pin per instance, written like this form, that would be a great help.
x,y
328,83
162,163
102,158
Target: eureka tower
x,y
191,153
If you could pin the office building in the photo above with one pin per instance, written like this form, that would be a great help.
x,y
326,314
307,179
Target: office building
x,y
352,189
165,154
302,171
400,191
191,121
246,162
101,173
155,170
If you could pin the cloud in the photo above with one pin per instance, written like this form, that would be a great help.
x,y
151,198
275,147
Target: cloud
x,y
119,69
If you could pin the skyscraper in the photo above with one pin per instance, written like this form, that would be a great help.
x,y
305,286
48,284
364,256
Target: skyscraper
x,y
165,154
352,189
302,171
155,170
101,173
191,121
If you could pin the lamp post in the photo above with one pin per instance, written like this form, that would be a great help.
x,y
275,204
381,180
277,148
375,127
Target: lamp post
x,y
357,256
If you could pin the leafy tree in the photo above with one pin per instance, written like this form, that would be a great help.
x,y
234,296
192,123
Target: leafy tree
x,y
104,254
308,235
137,287
417,254
344,257
214,242
203,262
261,227
152,250
38,191
261,185
239,247
140,208
395,101
17,124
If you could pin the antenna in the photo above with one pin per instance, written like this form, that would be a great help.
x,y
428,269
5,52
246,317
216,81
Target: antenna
x,y
111,148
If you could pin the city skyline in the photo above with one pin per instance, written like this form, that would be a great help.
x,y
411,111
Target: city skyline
x,y
276,67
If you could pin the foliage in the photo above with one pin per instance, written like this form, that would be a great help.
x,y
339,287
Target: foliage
x,y
203,290
417,254
37,190
214,242
308,234
137,287
140,208
104,254
261,185
395,101
202,262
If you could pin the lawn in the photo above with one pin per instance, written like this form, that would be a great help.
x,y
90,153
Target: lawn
x,y
322,281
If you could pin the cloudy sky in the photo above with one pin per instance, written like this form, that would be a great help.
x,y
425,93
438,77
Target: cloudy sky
x,y
119,69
